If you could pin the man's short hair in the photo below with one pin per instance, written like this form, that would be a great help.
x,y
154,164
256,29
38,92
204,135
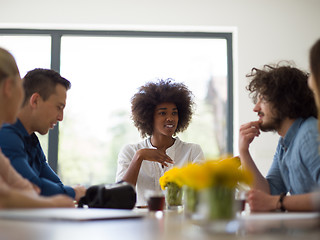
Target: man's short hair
x,y
44,82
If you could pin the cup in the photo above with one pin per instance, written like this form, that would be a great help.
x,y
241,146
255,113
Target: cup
x,y
156,200
240,200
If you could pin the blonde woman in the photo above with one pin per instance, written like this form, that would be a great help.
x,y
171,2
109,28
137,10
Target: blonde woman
x,y
15,191
314,79
314,84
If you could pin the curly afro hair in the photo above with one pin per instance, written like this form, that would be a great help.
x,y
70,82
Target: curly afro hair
x,y
286,88
144,102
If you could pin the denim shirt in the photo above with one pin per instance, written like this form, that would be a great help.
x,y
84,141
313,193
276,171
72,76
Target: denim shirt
x,y
296,163
26,156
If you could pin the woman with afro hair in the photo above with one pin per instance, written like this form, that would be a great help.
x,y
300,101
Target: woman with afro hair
x,y
160,110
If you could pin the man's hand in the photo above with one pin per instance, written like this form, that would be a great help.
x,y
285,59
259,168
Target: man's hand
x,y
80,192
261,202
60,200
247,133
36,188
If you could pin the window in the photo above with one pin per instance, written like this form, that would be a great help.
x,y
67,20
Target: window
x,y
30,51
106,69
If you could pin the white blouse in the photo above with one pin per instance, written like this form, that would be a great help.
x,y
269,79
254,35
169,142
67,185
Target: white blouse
x,y
150,172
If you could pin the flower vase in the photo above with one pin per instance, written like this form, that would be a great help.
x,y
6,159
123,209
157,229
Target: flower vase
x,y
173,195
191,200
221,203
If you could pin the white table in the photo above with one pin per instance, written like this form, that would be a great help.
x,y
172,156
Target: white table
x,y
171,225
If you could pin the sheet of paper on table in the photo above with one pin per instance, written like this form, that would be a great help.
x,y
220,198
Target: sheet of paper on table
x,y
281,215
69,214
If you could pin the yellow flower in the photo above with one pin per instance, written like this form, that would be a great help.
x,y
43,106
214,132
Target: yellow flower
x,y
172,175
224,172
193,175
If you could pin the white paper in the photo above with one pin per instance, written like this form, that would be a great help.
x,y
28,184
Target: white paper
x,y
70,214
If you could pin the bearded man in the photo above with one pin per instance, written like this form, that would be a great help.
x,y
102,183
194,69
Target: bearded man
x,y
284,104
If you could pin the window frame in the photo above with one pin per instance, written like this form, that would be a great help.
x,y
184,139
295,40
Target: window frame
x,y
56,36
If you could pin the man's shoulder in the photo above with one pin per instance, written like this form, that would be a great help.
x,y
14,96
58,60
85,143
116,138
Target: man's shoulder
x,y
308,130
310,123
10,133
10,129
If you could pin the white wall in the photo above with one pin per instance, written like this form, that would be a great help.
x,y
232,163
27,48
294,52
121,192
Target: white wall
x,y
265,31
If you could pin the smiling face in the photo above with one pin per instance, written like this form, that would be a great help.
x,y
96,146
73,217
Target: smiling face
x,y
266,114
49,112
165,119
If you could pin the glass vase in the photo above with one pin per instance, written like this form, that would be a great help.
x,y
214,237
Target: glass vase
x,y
173,195
191,199
221,203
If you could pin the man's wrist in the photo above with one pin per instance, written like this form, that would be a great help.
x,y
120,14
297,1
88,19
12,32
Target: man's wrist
x,y
280,203
244,151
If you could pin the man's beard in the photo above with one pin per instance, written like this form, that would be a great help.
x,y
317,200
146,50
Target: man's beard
x,y
273,125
